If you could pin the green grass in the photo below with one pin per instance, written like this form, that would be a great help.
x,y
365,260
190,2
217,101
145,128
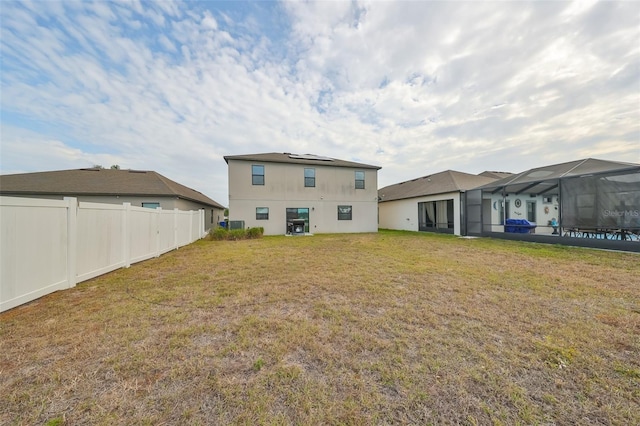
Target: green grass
x,y
386,328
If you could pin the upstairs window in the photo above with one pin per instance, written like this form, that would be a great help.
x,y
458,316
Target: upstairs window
x,y
344,212
359,180
310,178
257,175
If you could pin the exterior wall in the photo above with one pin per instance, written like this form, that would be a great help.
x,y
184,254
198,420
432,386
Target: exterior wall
x,y
403,214
284,188
492,211
212,215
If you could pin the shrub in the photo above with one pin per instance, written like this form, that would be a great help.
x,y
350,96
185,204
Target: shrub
x,y
222,234
237,234
217,234
255,232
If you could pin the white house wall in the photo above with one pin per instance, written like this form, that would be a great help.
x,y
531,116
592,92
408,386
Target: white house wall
x,y
403,214
284,188
544,211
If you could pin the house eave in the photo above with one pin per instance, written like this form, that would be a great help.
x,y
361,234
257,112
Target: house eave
x,y
105,194
422,195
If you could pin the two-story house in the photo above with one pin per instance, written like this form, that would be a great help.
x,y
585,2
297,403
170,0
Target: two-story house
x,y
284,192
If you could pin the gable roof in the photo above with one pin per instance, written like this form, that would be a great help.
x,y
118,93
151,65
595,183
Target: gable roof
x,y
96,181
537,180
439,183
307,159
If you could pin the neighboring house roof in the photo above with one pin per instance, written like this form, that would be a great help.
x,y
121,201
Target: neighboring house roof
x,y
439,183
307,159
102,182
542,179
496,175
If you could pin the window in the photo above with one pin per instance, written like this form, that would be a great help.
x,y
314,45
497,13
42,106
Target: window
x,y
257,175
262,213
310,178
344,212
359,180
151,205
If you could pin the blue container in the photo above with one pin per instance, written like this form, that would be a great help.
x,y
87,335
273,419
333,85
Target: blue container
x,y
519,226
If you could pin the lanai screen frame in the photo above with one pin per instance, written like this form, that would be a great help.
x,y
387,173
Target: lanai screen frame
x,y
564,187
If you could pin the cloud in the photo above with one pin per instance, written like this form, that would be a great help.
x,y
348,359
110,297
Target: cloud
x,y
50,154
415,87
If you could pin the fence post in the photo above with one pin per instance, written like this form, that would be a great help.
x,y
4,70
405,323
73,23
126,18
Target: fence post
x,y
72,241
202,218
126,235
158,212
176,214
190,226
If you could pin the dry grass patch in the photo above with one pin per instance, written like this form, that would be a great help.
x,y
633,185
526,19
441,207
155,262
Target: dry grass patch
x,y
387,328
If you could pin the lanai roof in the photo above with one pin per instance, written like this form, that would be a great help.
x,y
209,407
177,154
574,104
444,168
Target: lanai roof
x,y
309,159
544,179
96,181
439,183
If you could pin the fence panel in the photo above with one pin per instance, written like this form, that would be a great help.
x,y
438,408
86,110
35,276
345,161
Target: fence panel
x,y
167,230
33,250
101,239
184,228
49,245
143,233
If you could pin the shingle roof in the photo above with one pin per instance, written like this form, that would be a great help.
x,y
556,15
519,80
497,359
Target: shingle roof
x,y
526,181
439,183
495,175
309,159
95,181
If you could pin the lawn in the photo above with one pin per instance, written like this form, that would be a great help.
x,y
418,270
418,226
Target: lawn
x,y
387,328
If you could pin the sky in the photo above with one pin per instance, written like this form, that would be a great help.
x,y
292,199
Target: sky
x,y
415,87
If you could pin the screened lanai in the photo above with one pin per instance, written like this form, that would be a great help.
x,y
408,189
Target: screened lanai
x,y
585,199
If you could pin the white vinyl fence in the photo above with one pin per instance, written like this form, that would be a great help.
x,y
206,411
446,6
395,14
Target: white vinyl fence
x,y
49,245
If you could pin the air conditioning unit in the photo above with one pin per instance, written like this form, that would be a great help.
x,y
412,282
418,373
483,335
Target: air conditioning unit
x,y
236,224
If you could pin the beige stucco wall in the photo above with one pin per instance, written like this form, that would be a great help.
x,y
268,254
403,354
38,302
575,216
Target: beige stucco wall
x,y
284,188
403,214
